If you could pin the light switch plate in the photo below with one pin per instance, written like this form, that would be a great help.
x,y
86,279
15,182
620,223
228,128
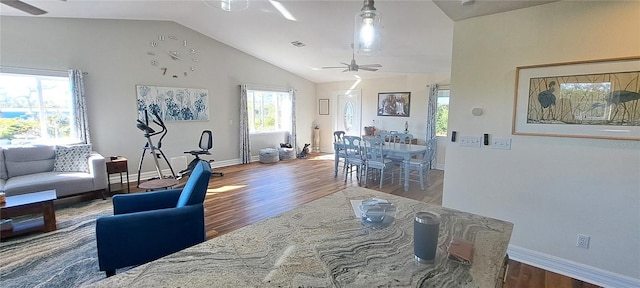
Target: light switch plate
x,y
501,143
470,141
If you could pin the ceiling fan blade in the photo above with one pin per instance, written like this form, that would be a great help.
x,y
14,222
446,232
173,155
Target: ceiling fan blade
x,y
346,70
371,65
368,69
332,67
22,6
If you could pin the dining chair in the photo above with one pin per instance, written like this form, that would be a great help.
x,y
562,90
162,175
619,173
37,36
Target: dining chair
x,y
421,165
402,138
384,135
399,138
354,157
375,159
338,136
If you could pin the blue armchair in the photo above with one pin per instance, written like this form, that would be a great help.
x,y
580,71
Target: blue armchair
x,y
151,225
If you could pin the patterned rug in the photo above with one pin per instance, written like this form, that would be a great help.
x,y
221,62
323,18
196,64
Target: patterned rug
x,y
66,257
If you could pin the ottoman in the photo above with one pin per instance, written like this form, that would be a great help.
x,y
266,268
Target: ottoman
x,y
286,153
269,155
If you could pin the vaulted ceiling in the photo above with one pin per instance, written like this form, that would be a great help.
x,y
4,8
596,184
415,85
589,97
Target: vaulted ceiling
x,y
417,34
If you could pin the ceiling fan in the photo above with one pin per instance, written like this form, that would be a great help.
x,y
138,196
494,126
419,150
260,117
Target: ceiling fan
x,y
25,7
354,66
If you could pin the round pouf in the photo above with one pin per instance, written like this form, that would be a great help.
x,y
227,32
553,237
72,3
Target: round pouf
x,y
287,153
269,155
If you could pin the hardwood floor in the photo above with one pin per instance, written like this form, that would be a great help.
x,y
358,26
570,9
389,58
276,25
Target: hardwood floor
x,y
249,193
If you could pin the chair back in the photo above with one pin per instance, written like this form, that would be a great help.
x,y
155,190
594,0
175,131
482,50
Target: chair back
x,y
384,135
402,138
373,149
338,136
352,146
206,140
195,189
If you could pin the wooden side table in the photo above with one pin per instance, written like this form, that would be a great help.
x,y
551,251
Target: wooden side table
x,y
118,165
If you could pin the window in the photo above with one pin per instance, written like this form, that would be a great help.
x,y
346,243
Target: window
x,y
36,109
269,111
442,114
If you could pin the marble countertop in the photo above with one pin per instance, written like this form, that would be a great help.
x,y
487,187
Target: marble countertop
x,y
322,244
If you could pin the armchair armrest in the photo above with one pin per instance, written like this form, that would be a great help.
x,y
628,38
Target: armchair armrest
x,y
136,238
98,170
130,203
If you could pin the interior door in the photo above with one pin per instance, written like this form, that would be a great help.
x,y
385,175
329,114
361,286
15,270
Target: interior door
x,y
349,112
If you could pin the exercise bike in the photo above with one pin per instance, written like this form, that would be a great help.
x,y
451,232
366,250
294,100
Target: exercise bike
x,y
206,143
156,150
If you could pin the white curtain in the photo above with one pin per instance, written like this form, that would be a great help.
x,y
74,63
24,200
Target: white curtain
x,y
294,135
79,106
245,150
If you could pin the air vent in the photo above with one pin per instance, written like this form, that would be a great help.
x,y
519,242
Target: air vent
x,y
298,44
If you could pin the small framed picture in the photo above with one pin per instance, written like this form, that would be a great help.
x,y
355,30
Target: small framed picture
x,y
394,104
323,106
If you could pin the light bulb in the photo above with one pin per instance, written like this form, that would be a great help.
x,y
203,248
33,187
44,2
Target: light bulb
x,y
228,5
367,33
225,5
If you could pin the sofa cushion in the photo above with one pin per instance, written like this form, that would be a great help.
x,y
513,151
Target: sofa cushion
x,y
3,168
65,183
72,158
29,160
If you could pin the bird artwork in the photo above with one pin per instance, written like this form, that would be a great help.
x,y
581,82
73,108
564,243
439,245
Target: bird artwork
x,y
547,99
621,97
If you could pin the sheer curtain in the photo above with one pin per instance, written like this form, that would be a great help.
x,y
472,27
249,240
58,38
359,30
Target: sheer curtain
x,y
294,134
79,106
245,151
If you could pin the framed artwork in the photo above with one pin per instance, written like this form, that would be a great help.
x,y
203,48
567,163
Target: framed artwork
x,y
323,106
584,99
173,104
394,104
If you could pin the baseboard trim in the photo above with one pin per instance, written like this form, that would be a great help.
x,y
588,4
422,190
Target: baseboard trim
x,y
133,177
571,269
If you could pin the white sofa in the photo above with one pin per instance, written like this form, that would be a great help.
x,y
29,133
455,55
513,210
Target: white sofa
x,y
28,169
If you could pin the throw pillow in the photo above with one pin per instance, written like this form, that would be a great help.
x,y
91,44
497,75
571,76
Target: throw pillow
x,y
72,158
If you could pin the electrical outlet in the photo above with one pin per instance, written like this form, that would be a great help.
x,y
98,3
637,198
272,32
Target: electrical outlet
x,y
583,241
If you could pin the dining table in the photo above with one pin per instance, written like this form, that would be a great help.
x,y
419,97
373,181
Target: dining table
x,y
323,244
400,150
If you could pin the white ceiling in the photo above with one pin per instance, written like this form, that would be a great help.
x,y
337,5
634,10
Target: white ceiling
x,y
417,34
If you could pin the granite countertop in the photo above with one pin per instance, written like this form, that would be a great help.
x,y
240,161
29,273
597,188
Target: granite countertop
x,y
322,244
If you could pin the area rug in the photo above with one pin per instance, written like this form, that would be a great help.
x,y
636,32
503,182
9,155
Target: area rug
x,y
66,257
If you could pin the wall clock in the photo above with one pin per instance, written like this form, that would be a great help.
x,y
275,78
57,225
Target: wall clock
x,y
173,57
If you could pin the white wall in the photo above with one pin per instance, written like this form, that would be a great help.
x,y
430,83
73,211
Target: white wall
x,y
414,83
551,188
113,52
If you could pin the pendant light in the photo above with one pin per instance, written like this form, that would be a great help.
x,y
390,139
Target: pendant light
x,y
229,5
367,30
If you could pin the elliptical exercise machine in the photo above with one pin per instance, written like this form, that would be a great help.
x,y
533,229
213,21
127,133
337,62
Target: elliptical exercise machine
x,y
155,151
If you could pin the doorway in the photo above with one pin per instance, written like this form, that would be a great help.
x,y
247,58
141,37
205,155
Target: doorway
x,y
349,112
